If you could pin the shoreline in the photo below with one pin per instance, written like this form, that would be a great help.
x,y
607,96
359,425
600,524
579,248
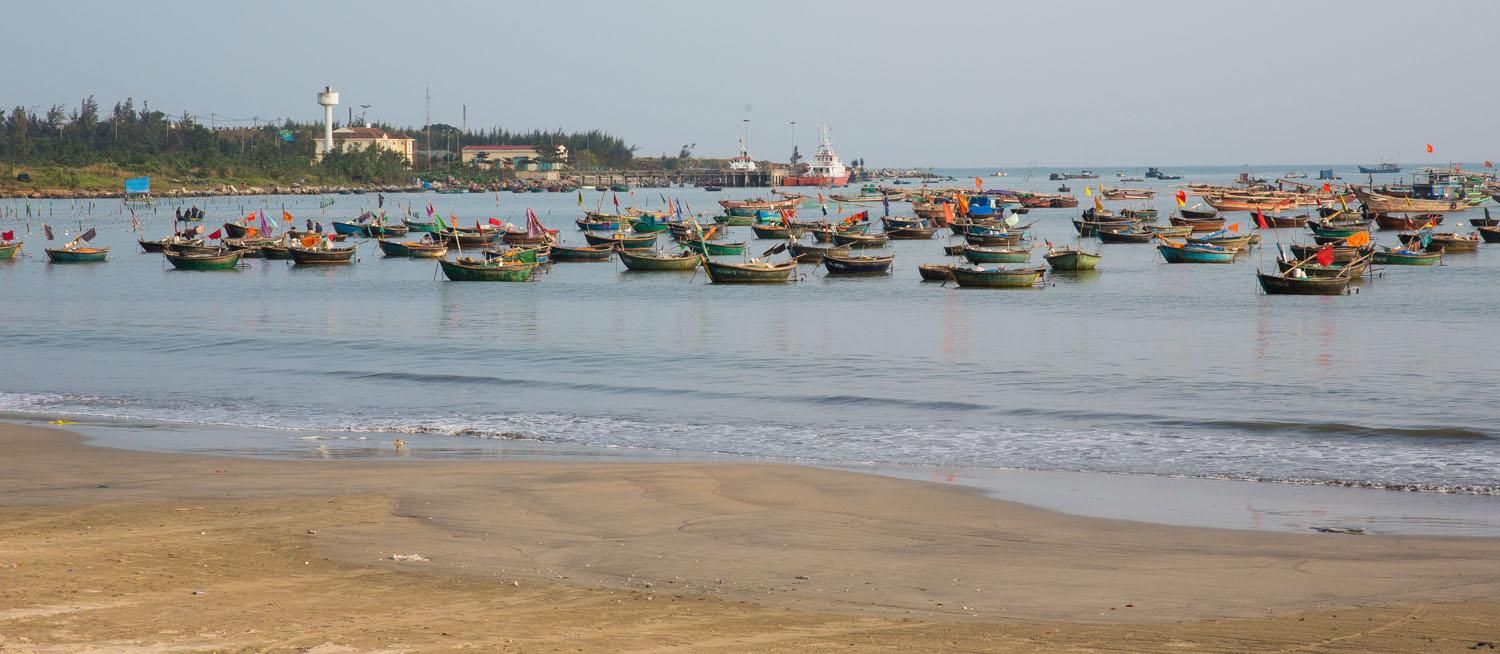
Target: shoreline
x,y
102,546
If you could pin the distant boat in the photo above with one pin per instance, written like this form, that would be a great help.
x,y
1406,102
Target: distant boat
x,y
1294,174
826,168
1380,168
1156,173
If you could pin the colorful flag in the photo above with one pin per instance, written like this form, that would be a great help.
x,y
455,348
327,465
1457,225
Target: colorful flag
x,y
438,219
495,221
1429,148
1327,188
8,236
1260,220
1487,164
1235,228
286,217
379,200
430,212
580,197
1088,192
215,236
1325,256
617,201
1182,198
978,184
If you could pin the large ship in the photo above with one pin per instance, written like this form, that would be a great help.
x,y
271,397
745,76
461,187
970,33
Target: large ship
x,y
1380,168
742,162
825,170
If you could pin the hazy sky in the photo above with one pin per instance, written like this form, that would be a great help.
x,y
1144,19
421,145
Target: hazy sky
x,y
961,83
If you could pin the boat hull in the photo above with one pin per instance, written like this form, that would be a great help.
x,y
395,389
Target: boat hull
x,y
1279,285
654,262
996,278
1072,260
224,261
413,250
587,253
732,273
1190,254
9,250
83,255
935,272
846,265
331,256
469,271
816,180
996,255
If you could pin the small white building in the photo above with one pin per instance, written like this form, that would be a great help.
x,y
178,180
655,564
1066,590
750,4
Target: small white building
x,y
514,157
351,139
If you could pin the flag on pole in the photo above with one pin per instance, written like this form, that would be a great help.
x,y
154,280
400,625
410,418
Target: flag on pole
x,y
1429,148
580,197
978,184
1327,188
47,229
215,236
1182,198
617,201
8,236
430,211
286,217
1088,191
1260,220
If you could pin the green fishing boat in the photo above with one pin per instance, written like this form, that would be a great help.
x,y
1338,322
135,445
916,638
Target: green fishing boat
x,y
713,248
619,187
978,277
412,225
658,261
223,260
982,254
774,231
648,225
77,255
413,249
583,253
1072,259
735,221
1403,257
754,272
622,239
492,270
9,250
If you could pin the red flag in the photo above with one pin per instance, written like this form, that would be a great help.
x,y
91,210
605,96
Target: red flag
x,y
617,201
215,236
1182,198
1487,164
1429,148
8,236
1325,256
1327,188
495,222
1260,220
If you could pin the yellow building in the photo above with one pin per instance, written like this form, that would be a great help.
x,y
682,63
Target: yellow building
x,y
515,157
351,139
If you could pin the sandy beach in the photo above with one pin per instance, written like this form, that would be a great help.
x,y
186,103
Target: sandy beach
x,y
113,550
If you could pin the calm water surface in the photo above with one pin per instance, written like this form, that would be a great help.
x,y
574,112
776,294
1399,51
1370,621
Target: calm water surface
x,y
1142,367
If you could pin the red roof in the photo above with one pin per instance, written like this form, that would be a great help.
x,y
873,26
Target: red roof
x,y
499,148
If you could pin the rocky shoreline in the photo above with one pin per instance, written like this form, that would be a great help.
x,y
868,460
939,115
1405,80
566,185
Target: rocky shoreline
x,y
219,190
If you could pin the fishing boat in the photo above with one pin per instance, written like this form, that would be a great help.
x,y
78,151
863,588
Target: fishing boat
x,y
415,226
1446,241
468,269
598,223
751,272
1389,256
1198,214
320,256
984,254
712,248
584,253
889,223
935,272
1341,254
10,250
250,247
381,230
1274,221
1169,230
175,240
813,253
76,254
826,169
753,208
1490,234
413,249
1199,224
843,264
1354,269
651,261
910,233
1087,227
1002,240
1131,234
774,231
1224,240
469,238
236,230
1385,203
226,259
1139,215
1195,253
857,240
971,276
1248,203
622,239
540,255
1406,222
1288,284
1071,259
1379,169
341,227
1127,194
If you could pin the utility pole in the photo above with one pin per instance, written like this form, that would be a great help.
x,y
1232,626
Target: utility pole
x,y
429,127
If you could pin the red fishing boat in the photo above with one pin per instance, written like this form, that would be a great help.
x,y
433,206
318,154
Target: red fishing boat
x,y
826,168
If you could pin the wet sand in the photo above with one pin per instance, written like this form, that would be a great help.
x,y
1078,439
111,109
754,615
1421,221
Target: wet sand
x,y
146,552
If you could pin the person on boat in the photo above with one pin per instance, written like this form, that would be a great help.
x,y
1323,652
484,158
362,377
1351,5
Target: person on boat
x,y
318,228
309,224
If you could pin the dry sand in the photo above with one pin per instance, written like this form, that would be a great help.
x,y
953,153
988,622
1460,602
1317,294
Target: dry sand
x,y
121,551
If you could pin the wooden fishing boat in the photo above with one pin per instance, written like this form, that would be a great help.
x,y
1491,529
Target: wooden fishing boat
x,y
935,272
752,207
1072,259
916,233
10,250
1450,242
250,247
468,269
594,223
1407,222
345,228
1248,203
1383,203
170,241
1341,229
585,253
377,230
1490,234
857,240
622,239
648,225
752,272
1128,194
841,264
981,277
735,221
76,254
224,259
1341,254
1198,214
1226,241
982,254
541,254
236,230
1199,224
1005,240
320,256
713,248
1195,253
1169,230
299,235
650,261
1353,269
813,253
415,226
1092,227
1128,235
470,238
955,249
889,224
1285,284
1403,257
774,231
413,249
1281,222
1139,215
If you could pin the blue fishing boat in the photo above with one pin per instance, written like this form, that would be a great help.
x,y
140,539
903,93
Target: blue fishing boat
x,y
348,229
982,206
1195,253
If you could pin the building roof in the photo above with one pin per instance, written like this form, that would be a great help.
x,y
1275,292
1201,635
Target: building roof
x,y
366,133
499,148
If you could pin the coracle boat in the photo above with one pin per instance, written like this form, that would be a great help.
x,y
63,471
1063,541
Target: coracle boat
x,y
1288,284
982,254
585,253
1071,259
412,249
320,256
813,253
468,269
1406,257
1195,253
752,272
659,261
840,264
226,259
935,272
76,254
981,277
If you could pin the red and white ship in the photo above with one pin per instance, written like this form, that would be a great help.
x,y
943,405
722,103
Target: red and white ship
x,y
825,170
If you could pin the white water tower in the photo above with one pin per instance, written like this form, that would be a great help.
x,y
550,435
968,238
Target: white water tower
x,y
329,98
